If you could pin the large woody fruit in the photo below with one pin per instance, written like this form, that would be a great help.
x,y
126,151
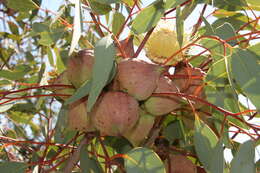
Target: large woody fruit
x,y
141,129
160,105
80,67
78,118
163,43
62,80
190,81
180,164
138,78
115,113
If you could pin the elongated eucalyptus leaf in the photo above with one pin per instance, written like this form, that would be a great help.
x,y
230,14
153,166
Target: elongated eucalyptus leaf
x,y
77,26
244,159
104,62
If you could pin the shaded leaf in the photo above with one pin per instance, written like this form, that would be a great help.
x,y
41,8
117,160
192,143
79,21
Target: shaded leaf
x,y
205,141
143,160
179,26
13,167
118,20
244,159
225,32
99,8
88,164
246,72
81,92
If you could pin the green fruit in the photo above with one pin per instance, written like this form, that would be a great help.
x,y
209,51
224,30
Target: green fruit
x,y
115,113
138,78
62,80
161,105
141,129
78,118
80,67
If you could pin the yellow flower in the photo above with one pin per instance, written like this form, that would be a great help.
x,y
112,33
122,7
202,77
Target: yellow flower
x,y
163,43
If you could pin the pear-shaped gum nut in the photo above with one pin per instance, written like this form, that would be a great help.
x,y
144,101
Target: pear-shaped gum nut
x,y
190,81
78,118
160,105
141,130
62,80
180,164
80,67
138,78
115,113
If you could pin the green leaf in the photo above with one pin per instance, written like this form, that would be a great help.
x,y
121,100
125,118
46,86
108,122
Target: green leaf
x,y
62,133
173,131
118,21
50,56
104,61
88,164
244,159
59,61
143,160
205,141
255,49
236,19
39,27
21,5
225,32
246,72
179,26
18,73
81,92
209,29
13,167
253,2
99,8
217,159
5,107
148,18
77,26
108,1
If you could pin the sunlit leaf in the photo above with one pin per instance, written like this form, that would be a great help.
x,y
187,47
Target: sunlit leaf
x,y
104,61
21,5
77,26
148,18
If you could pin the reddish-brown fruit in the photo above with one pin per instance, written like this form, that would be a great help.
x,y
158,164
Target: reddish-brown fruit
x,y
141,129
180,164
190,81
138,78
78,118
62,80
160,105
115,113
80,67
